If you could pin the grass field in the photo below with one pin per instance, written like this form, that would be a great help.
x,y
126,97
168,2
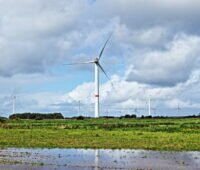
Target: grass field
x,y
153,134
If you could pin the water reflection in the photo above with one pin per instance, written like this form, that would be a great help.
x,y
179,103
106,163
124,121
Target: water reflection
x,y
97,159
14,158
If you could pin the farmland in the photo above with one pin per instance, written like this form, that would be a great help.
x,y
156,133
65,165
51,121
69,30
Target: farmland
x,y
178,134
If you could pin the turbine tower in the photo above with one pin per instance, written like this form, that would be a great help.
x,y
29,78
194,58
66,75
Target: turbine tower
x,y
97,65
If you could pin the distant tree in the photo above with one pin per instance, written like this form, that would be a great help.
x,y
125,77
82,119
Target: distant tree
x,y
109,117
148,117
3,119
80,118
128,116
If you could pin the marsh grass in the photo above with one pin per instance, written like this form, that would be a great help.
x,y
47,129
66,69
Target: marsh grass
x,y
154,134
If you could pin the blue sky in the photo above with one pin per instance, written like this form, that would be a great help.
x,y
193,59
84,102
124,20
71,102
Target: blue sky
x,y
154,51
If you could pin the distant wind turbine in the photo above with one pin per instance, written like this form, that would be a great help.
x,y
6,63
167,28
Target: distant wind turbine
x,y
149,103
79,108
96,62
178,108
136,108
155,110
150,100
14,103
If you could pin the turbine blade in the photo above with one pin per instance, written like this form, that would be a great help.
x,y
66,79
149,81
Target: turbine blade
x,y
106,75
79,63
104,46
103,70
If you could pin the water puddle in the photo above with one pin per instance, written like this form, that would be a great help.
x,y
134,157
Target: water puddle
x,y
86,159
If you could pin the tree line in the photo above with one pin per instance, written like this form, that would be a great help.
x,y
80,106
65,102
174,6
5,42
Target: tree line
x,y
36,116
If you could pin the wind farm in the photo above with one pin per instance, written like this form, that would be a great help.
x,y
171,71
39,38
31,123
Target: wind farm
x,y
108,84
138,123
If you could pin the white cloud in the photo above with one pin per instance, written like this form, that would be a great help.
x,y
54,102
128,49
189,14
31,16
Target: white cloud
x,y
150,37
83,93
126,97
170,66
30,32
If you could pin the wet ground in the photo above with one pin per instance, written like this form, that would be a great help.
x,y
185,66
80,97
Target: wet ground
x,y
86,159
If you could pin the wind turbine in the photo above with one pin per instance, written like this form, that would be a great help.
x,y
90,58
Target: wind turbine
x,y
178,109
150,100
149,104
79,108
154,109
14,103
96,62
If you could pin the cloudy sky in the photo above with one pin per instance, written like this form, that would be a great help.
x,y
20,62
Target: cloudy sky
x,y
154,51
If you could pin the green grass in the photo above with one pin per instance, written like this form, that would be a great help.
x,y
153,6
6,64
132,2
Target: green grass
x,y
154,134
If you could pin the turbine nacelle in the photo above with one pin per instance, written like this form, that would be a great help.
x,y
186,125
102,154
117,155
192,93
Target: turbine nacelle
x,y
96,60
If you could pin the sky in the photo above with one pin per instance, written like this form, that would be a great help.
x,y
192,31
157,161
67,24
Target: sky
x,y
154,52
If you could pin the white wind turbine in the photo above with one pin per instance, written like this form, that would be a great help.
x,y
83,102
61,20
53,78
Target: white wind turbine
x,y
14,104
149,101
13,98
96,62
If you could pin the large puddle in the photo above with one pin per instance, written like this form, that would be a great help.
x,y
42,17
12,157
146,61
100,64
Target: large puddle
x,y
49,159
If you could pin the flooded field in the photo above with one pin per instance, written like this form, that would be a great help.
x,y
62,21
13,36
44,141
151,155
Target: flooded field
x,y
49,159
